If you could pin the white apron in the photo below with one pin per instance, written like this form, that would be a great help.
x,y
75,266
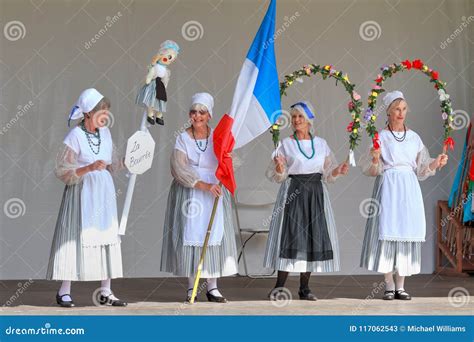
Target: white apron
x,y
198,208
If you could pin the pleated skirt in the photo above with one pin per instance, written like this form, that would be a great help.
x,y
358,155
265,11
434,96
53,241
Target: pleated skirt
x,y
147,97
387,256
69,260
181,260
272,257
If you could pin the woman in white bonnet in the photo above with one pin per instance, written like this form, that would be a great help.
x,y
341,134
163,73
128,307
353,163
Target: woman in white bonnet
x,y
86,244
303,235
190,202
393,235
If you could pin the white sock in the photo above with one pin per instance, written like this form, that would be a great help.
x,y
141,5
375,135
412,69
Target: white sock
x,y
106,289
212,287
400,281
65,289
389,284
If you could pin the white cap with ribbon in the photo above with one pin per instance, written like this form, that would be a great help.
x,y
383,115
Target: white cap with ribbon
x,y
88,99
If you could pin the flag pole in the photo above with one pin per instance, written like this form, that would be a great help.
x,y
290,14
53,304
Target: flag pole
x,y
204,248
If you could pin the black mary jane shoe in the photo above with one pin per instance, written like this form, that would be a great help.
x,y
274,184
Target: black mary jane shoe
x,y
64,303
106,300
305,294
402,294
215,299
188,298
160,121
389,295
151,121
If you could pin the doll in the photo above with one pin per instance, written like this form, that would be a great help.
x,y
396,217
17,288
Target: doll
x,y
153,94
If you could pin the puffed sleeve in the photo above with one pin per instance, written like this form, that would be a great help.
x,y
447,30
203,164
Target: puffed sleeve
x,y
181,170
368,168
271,172
117,161
66,165
330,163
423,161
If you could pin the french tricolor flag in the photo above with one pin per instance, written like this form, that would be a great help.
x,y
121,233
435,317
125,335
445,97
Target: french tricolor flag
x,y
256,104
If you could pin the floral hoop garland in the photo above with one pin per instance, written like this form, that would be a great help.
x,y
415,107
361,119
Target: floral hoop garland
x,y
354,105
390,70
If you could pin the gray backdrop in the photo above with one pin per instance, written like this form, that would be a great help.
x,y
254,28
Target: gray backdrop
x,y
51,50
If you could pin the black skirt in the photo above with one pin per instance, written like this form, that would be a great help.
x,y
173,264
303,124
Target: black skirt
x,y
304,232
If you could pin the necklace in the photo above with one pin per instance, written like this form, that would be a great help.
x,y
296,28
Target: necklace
x,y
399,139
89,136
197,144
299,147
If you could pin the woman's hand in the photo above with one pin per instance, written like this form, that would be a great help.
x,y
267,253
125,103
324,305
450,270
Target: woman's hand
x,y
279,164
342,169
215,189
375,153
440,161
98,165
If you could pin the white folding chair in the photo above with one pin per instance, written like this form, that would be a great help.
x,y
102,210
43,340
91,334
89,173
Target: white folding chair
x,y
253,209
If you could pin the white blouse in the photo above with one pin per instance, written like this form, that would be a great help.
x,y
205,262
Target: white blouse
x,y
296,163
410,153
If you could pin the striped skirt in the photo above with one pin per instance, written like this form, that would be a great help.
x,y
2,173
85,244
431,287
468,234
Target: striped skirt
x,y
387,256
272,253
69,260
147,97
182,261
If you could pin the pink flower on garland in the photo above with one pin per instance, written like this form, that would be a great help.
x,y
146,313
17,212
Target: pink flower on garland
x,y
356,96
376,87
350,105
349,127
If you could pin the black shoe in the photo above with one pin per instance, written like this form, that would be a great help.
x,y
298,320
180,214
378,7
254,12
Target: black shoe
x,y
160,121
388,295
64,304
105,300
188,298
150,120
305,294
402,294
215,299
